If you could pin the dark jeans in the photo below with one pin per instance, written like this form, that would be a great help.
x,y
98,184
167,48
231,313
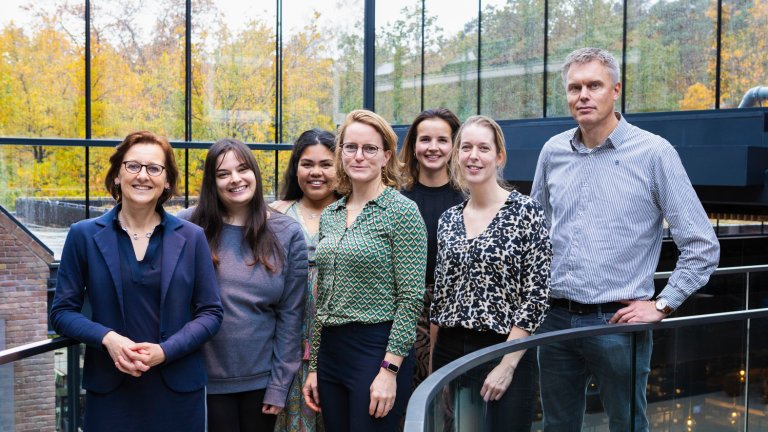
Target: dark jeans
x,y
464,407
348,360
567,366
233,412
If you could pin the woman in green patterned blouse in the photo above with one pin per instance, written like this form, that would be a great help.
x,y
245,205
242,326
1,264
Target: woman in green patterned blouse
x,y
371,262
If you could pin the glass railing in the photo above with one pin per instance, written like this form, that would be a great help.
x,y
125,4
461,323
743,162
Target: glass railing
x,y
40,386
707,373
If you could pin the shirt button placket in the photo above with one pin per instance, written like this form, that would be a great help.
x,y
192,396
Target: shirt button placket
x,y
580,205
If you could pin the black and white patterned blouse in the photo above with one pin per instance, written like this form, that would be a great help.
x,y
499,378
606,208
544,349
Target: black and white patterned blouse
x,y
498,279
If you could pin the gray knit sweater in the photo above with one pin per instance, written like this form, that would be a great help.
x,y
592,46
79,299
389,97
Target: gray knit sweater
x,y
258,345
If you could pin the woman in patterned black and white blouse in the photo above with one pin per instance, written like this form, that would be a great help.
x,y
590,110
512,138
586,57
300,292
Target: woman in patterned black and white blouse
x,y
491,280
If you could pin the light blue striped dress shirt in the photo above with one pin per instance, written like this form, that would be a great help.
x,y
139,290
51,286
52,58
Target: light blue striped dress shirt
x,y
606,207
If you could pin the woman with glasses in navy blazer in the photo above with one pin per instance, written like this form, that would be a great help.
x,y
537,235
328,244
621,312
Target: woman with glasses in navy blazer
x,y
149,279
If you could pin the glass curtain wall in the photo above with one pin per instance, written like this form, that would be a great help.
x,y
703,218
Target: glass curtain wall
x,y
744,53
265,71
511,66
398,59
42,77
671,55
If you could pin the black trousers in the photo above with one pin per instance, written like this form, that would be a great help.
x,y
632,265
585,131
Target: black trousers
x,y
239,412
462,406
348,360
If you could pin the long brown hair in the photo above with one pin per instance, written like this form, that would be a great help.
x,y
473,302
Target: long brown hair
x,y
210,211
411,171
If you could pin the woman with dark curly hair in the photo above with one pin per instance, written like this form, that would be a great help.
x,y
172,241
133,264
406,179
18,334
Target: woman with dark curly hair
x,y
307,190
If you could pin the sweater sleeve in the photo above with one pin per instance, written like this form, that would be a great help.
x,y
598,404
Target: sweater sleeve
x,y
286,356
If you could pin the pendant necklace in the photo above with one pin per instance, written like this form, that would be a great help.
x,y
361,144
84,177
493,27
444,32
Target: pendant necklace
x,y
135,236
309,214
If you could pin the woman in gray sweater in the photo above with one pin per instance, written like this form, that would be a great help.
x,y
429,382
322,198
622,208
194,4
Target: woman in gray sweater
x,y
261,263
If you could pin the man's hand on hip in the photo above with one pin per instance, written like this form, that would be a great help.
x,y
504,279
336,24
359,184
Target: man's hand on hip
x,y
637,311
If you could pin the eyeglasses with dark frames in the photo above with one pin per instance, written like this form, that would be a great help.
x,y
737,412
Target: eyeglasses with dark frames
x,y
134,167
369,150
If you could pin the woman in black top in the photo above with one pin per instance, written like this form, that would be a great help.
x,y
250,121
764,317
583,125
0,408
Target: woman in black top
x,y
426,154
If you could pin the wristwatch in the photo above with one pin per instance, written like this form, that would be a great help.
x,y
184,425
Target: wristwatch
x,y
662,306
390,367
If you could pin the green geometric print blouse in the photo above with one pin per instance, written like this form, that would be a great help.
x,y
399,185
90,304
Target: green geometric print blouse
x,y
374,270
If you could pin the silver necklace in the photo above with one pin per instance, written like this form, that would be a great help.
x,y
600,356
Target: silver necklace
x,y
135,236
304,209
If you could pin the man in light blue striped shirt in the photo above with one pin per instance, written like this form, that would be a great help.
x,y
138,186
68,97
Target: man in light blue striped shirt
x,y
607,187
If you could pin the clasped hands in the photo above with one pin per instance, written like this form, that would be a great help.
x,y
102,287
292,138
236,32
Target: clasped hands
x,y
130,357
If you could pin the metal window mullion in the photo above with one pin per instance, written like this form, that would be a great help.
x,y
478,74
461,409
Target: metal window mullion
x,y
369,55
479,51
187,94
718,59
88,113
423,44
624,59
278,89
544,73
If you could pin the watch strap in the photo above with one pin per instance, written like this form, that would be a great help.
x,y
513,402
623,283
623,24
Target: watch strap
x,y
390,367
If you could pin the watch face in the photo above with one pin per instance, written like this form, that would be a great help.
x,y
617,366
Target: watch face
x,y
661,304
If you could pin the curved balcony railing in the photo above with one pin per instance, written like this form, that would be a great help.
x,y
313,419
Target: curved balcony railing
x,y
708,373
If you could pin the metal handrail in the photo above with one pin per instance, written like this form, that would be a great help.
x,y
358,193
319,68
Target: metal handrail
x,y
721,271
428,389
32,349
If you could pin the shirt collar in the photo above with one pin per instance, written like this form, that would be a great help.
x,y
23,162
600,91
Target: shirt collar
x,y
385,198
614,140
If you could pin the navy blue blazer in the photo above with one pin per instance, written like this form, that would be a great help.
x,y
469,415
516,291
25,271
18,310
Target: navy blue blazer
x,y
190,308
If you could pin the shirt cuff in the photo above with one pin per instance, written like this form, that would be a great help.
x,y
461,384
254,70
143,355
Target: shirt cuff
x,y
275,396
674,296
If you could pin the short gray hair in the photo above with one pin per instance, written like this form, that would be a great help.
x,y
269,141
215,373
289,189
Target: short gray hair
x,y
586,55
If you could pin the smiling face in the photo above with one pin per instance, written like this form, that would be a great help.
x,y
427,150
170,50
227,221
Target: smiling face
x,y
141,189
360,167
235,182
479,158
316,173
591,94
433,145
